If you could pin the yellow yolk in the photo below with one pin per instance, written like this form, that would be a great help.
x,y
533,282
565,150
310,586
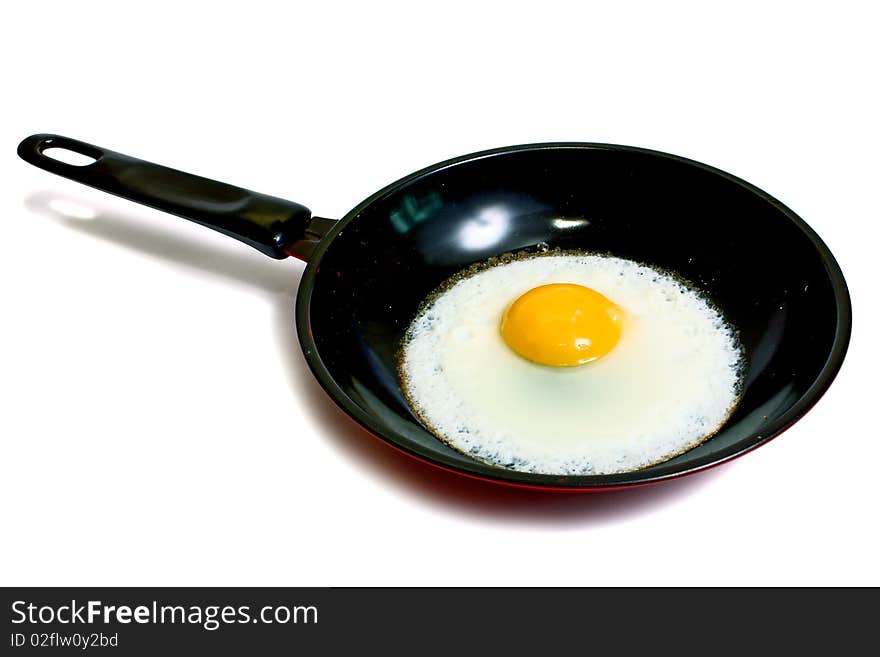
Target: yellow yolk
x,y
562,325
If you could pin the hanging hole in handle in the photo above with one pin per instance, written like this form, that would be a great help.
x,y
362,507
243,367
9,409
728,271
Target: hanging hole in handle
x,y
68,156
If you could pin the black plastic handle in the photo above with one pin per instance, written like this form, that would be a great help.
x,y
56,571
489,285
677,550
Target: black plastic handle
x,y
271,225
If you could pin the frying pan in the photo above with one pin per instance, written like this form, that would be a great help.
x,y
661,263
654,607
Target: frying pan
x,y
367,273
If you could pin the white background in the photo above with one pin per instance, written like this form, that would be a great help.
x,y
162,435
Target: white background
x,y
159,425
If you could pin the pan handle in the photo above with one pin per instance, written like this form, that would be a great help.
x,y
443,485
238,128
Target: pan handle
x,y
271,225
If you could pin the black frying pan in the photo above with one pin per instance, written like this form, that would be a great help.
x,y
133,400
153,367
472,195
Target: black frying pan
x,y
368,272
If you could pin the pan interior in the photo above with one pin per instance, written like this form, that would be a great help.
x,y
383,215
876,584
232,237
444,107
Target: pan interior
x,y
774,282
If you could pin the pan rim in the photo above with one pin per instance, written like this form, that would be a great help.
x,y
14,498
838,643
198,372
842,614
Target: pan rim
x,y
579,483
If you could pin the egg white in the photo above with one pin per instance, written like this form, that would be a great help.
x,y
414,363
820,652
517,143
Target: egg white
x,y
671,381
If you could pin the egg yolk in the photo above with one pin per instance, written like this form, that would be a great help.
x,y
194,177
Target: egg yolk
x,y
562,325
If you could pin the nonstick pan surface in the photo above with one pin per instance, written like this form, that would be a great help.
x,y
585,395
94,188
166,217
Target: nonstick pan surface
x,y
367,273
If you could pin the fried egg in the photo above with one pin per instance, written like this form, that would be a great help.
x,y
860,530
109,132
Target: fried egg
x,y
571,364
